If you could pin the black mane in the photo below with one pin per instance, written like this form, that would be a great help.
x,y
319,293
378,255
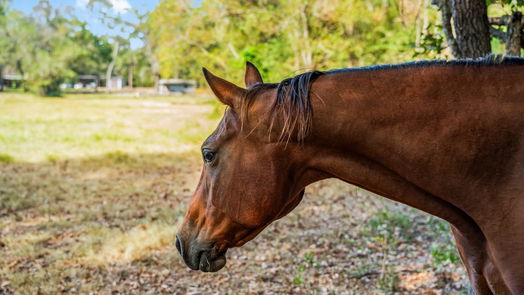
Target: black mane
x,y
292,104
490,60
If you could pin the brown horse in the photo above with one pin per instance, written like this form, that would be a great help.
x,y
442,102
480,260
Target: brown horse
x,y
446,137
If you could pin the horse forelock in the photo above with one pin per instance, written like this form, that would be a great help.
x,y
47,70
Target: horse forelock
x,y
291,106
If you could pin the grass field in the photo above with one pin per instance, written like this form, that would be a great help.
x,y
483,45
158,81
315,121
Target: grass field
x,y
92,188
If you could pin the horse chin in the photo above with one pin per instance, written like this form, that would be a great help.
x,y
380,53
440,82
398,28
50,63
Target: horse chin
x,y
211,265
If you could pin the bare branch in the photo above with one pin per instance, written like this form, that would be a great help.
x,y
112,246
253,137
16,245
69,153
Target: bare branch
x,y
500,21
515,25
445,10
496,33
514,35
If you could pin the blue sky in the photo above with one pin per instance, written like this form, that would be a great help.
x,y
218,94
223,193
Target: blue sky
x,y
92,19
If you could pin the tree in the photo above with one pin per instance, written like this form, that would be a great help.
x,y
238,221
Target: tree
x,y
124,60
54,50
50,47
471,28
94,51
38,47
507,27
109,71
281,37
4,5
468,30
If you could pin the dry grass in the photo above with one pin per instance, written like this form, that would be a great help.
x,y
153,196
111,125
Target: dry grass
x,y
137,243
92,189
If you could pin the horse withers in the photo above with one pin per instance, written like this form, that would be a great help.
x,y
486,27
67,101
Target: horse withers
x,y
446,137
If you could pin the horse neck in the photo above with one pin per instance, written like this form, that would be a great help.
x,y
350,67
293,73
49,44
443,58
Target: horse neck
x,y
412,126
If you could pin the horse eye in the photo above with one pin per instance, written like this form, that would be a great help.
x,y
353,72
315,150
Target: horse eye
x,y
208,156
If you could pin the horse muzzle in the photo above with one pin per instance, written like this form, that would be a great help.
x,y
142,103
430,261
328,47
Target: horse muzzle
x,y
201,256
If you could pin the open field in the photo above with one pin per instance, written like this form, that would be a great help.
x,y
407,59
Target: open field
x,y
92,188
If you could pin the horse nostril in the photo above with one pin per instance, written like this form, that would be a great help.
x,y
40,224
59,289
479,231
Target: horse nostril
x,y
179,245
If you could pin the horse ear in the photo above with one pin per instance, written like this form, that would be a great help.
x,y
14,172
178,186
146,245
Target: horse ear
x,y
227,92
252,75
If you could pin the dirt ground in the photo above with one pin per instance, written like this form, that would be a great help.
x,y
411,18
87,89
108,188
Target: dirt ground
x,y
92,190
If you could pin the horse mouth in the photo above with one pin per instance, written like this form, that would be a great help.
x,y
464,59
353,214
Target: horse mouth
x,y
199,257
206,264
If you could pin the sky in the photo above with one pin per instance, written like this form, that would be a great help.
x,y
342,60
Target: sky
x,y
92,19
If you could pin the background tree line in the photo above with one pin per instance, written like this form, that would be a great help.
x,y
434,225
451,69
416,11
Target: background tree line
x,y
50,47
283,37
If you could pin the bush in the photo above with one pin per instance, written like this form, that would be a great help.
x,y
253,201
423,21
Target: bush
x,y
5,158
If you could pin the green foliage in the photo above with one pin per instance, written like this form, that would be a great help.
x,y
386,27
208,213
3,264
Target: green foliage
x,y
39,48
432,42
4,5
497,46
438,226
281,37
6,158
94,51
298,279
135,64
118,157
512,4
444,253
47,48
309,261
388,280
391,226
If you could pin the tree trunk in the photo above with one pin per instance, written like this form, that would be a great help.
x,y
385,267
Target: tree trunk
x,y
1,78
514,34
131,72
111,65
130,76
445,10
155,65
303,34
470,18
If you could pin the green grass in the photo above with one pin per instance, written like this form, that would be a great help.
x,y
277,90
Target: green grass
x,y
93,180
34,129
391,226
